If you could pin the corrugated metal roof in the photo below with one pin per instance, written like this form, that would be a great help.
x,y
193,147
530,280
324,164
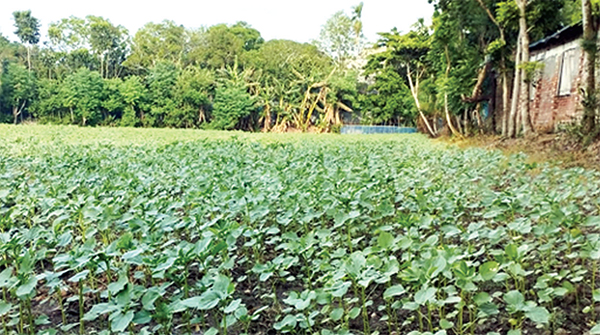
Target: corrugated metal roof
x,y
564,35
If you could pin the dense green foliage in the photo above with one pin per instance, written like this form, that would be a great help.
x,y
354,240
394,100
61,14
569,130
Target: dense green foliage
x,y
167,75
177,232
454,63
92,72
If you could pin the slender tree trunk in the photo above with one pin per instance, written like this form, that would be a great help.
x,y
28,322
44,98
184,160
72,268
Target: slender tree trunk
x,y
505,97
505,85
102,66
448,118
459,127
29,58
107,65
415,93
512,131
466,117
590,48
526,81
480,123
18,110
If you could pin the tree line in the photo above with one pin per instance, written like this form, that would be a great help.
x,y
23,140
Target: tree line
x,y
89,71
438,76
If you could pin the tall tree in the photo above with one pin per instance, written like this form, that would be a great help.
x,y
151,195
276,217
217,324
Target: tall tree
x,y
18,89
525,69
408,54
105,39
590,47
83,93
499,46
337,37
224,45
134,93
28,31
357,23
157,42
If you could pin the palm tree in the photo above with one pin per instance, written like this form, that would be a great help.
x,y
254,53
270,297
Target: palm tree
x,y
357,22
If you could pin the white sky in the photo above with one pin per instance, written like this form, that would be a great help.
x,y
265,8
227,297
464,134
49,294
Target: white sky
x,y
298,20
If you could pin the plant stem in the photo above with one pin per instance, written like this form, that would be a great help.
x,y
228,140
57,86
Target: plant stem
x,y
4,326
81,321
429,317
366,325
30,313
62,307
186,294
21,322
461,313
594,265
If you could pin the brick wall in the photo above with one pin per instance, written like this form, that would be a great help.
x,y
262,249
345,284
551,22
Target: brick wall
x,y
549,108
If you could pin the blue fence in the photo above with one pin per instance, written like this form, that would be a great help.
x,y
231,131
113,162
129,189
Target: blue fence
x,y
377,130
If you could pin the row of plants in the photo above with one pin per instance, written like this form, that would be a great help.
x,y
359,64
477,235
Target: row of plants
x,y
258,234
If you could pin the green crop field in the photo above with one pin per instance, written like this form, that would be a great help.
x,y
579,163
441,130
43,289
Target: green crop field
x,y
111,231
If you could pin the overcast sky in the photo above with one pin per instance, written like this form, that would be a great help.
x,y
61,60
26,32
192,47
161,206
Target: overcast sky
x,y
298,20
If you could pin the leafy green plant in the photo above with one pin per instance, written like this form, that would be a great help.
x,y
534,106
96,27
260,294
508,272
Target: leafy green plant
x,y
162,232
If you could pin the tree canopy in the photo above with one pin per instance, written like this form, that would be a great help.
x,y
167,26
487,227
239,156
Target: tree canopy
x,y
90,71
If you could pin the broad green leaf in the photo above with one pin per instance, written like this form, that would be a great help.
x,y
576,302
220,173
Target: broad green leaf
x,y
149,298
596,295
538,315
5,277
80,276
4,307
512,251
489,270
489,309
593,221
355,264
340,289
222,286
482,298
119,285
207,300
452,300
121,321
425,295
354,312
336,314
393,291
595,330
445,324
514,298
289,322
99,309
167,264
142,318
233,306
385,240
26,288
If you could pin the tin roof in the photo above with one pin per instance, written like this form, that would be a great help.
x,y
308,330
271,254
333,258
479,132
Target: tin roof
x,y
566,34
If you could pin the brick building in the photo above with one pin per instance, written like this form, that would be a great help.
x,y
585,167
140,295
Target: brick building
x,y
555,92
555,97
